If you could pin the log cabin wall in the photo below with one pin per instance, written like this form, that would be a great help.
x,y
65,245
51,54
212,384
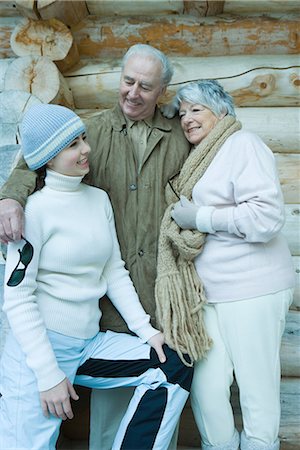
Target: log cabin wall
x,y
251,47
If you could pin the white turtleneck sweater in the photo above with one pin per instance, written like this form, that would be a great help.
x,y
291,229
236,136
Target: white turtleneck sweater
x,y
76,261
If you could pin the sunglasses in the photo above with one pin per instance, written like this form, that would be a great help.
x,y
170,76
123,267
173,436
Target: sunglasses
x,y
26,255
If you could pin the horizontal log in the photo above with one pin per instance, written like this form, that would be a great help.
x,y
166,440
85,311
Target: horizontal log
x,y
290,414
296,300
288,166
146,7
8,9
278,127
290,347
251,80
261,6
127,8
292,227
182,35
289,425
136,8
189,36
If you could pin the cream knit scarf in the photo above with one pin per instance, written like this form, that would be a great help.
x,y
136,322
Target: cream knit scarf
x,y
179,293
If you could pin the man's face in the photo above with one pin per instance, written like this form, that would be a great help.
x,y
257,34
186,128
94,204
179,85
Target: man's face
x,y
140,86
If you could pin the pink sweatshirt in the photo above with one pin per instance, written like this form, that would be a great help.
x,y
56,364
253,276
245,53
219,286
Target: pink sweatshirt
x,y
245,255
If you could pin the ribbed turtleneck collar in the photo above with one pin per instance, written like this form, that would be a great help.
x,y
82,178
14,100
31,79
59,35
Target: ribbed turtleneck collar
x,y
59,182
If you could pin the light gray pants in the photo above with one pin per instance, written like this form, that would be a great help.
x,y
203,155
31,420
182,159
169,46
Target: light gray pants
x,y
246,342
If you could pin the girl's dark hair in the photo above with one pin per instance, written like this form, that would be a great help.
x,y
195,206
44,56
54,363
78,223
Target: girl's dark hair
x,y
40,179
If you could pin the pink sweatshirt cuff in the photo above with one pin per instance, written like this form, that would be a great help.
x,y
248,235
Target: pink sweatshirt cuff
x,y
204,219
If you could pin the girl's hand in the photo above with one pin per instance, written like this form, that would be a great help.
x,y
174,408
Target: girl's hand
x,y
56,401
157,341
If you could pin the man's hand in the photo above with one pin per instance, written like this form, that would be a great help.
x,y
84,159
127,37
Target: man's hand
x,y
56,401
185,213
157,342
169,110
11,220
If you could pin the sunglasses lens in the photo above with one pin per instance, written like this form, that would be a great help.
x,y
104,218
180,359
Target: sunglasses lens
x,y
16,277
26,254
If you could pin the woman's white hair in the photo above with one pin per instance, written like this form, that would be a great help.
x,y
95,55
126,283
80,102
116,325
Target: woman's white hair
x,y
144,49
208,93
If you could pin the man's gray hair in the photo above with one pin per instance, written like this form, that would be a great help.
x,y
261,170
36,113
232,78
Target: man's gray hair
x,y
208,93
144,49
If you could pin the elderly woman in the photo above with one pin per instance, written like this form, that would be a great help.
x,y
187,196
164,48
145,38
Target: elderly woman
x,y
230,305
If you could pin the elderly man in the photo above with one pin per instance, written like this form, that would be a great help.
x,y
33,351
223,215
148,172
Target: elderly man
x,y
135,151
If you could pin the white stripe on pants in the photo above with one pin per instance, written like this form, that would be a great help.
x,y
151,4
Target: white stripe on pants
x,y
246,340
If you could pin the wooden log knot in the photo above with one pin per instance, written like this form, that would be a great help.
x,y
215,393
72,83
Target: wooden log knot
x,y
295,212
295,80
263,85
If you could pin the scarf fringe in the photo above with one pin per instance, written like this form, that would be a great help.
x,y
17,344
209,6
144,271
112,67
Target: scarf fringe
x,y
183,328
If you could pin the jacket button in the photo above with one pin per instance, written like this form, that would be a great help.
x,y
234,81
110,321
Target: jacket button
x,y
133,187
141,253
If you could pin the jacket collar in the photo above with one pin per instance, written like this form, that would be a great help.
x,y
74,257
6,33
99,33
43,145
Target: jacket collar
x,y
157,121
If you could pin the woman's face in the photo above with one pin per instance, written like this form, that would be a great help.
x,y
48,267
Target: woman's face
x,y
197,121
73,160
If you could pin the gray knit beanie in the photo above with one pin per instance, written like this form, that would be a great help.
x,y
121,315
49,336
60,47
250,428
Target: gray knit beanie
x,y
45,131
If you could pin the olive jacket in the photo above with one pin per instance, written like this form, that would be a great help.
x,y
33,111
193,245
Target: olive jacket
x,y
137,195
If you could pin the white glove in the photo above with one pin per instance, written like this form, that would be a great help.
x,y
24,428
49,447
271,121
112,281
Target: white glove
x,y
185,213
188,216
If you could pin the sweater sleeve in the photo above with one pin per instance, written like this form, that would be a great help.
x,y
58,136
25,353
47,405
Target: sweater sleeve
x,y
120,288
21,307
257,212
20,184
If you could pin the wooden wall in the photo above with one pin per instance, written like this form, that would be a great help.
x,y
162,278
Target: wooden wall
x,y
251,47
